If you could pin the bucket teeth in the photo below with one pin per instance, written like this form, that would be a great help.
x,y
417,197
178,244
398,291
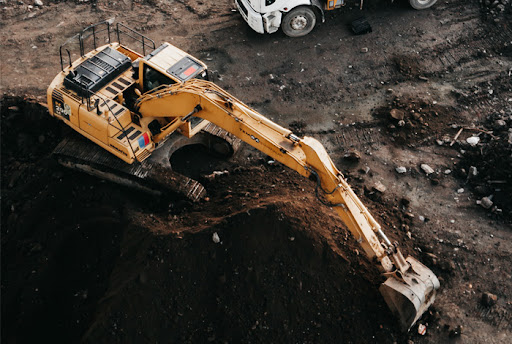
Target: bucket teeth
x,y
410,296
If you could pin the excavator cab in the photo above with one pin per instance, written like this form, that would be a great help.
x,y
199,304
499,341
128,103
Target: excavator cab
x,y
168,65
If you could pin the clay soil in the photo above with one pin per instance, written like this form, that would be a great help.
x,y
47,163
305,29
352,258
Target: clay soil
x,y
84,260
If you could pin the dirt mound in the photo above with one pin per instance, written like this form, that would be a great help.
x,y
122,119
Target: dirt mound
x,y
408,66
487,166
269,279
90,261
496,10
414,122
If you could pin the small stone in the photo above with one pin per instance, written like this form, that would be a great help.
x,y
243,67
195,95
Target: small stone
x,y
486,202
380,187
461,190
401,169
352,155
364,50
38,3
215,238
421,218
473,140
397,114
456,332
488,299
401,123
500,123
447,171
473,172
427,169
440,142
433,257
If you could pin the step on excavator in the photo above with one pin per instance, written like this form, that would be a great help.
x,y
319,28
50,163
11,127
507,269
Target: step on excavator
x,y
136,109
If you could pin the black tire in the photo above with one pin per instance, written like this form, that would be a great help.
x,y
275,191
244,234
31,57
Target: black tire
x,y
298,22
421,4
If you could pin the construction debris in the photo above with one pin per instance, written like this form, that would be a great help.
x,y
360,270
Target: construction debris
x,y
427,169
489,299
378,186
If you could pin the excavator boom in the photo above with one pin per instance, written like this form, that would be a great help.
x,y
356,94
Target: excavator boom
x,y
410,287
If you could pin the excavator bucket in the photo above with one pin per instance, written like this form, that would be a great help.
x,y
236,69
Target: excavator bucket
x,y
411,295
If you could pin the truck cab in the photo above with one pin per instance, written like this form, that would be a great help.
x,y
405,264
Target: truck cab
x,y
296,18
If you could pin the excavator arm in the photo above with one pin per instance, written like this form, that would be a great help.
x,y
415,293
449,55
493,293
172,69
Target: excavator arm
x,y
410,287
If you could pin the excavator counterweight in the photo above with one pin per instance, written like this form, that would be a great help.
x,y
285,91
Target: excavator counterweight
x,y
139,108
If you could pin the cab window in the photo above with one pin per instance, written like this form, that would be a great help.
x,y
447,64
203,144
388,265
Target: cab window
x,y
153,78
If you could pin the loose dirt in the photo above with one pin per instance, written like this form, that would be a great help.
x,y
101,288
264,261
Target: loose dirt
x,y
88,261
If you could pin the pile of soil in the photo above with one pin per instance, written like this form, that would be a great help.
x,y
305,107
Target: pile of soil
x,y
496,10
415,122
408,67
86,260
492,158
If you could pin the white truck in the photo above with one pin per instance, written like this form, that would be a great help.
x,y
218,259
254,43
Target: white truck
x,y
295,17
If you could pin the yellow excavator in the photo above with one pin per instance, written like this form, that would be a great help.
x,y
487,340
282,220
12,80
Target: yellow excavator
x,y
130,104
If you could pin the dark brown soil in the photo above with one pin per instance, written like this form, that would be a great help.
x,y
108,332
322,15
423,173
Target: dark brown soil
x,y
493,156
414,122
88,261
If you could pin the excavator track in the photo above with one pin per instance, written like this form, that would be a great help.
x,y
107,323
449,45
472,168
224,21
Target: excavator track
x,y
153,175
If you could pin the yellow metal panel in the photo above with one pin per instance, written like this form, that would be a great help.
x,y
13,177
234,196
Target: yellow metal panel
x,y
93,124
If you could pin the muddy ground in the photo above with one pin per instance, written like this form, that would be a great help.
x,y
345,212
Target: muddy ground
x,y
86,260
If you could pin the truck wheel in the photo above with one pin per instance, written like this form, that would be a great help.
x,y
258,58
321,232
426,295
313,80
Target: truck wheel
x,y
421,4
298,22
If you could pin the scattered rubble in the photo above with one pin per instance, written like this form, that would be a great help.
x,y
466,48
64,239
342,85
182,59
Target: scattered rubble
x,y
489,164
352,155
497,10
414,122
489,299
397,114
378,186
485,202
427,169
473,140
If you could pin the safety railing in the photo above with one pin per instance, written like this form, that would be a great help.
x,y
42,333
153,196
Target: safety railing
x,y
93,32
